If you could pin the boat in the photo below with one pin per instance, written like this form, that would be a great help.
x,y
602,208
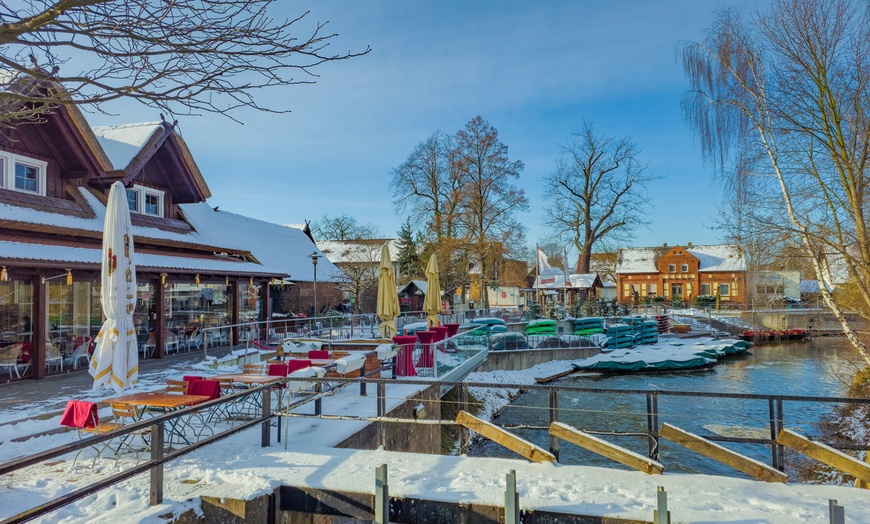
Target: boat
x,y
668,354
774,334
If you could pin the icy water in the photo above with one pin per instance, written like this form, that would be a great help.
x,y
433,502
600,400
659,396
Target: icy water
x,y
820,367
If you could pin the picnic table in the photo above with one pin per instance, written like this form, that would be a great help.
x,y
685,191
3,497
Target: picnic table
x,y
164,401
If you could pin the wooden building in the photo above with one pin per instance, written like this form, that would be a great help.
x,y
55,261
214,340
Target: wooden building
x,y
680,274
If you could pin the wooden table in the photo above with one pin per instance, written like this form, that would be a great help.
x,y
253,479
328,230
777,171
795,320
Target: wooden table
x,y
250,380
163,400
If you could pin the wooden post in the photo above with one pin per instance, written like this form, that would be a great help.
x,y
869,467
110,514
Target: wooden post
x,y
502,437
860,483
39,326
382,495
554,417
266,438
606,449
825,454
719,453
235,313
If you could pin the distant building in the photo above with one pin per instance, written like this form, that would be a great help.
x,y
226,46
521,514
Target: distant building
x,y
682,273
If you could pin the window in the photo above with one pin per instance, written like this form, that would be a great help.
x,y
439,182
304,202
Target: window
x,y
724,290
706,289
652,289
684,268
145,200
20,173
133,200
672,268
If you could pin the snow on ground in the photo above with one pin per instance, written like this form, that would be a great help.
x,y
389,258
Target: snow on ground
x,y
238,467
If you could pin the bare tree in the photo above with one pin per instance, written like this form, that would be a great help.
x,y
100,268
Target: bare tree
x,y
597,193
343,227
790,86
428,186
184,56
490,201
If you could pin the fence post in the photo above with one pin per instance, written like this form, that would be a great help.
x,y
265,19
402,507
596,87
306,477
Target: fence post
x,y
463,406
776,450
836,513
157,469
318,404
362,384
266,439
554,417
652,424
511,500
661,515
382,411
382,495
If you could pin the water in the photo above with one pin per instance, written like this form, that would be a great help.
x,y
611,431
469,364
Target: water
x,y
821,367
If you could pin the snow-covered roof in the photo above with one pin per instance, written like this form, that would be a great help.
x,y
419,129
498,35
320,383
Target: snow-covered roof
x,y
280,247
577,281
366,251
79,255
122,143
719,257
422,285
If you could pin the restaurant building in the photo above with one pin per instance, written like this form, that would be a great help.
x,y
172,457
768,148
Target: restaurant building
x,y
195,265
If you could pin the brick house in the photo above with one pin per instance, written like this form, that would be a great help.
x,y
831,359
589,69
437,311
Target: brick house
x,y
682,273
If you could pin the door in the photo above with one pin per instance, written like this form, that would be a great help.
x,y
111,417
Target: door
x,y
676,291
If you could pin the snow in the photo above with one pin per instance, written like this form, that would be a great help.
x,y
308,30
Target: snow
x,y
422,285
281,247
20,250
577,280
122,143
238,467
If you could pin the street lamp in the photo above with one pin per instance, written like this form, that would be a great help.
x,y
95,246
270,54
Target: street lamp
x,y
315,256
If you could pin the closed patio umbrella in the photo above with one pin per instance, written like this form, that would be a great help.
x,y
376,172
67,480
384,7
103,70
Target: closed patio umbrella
x,y
388,299
115,362
432,302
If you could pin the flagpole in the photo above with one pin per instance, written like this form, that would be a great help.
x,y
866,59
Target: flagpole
x,y
565,283
538,276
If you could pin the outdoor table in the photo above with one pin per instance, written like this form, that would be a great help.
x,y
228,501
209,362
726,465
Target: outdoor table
x,y
253,380
440,332
426,358
452,330
405,360
161,399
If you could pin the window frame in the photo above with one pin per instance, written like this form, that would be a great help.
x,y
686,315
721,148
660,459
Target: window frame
x,y
724,289
684,268
142,194
672,268
9,163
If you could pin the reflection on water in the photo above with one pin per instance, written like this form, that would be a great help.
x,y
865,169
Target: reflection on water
x,y
821,367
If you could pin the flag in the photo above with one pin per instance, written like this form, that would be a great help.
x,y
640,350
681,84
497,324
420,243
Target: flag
x,y
546,273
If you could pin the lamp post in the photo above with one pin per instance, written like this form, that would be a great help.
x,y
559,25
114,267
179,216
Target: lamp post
x,y
315,256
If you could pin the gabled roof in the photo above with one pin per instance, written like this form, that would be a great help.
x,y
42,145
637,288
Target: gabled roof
x,y
422,285
577,281
719,257
364,251
124,143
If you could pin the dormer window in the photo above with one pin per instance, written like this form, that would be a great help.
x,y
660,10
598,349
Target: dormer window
x,y
20,173
145,200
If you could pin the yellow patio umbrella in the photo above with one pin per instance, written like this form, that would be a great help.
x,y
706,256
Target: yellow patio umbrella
x,y
115,363
432,302
388,298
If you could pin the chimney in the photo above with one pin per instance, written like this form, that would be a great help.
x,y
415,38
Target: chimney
x,y
689,244
665,244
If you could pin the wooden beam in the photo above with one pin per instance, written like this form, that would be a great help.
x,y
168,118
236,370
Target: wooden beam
x,y
606,449
503,438
825,454
721,454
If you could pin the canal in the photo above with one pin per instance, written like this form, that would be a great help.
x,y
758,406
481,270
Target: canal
x,y
820,367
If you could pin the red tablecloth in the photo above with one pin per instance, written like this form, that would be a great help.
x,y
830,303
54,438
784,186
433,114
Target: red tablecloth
x,y
426,359
405,359
452,329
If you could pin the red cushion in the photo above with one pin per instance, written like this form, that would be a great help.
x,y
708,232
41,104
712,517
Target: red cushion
x,y
319,354
278,370
191,378
297,364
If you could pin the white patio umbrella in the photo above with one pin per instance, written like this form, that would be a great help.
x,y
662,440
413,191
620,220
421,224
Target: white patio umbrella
x,y
115,362
388,299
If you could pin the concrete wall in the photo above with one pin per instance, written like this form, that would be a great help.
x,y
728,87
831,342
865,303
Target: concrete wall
x,y
412,438
526,358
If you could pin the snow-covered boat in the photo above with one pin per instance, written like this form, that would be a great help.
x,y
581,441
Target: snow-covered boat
x,y
668,354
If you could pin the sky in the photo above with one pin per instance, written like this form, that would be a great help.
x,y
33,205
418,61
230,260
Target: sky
x,y
534,70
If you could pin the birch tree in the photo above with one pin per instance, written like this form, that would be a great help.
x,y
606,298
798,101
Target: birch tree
x,y
783,95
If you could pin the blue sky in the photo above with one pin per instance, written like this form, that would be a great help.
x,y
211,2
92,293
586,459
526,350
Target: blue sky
x,y
534,70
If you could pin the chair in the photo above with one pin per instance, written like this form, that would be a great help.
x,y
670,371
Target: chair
x,y
178,386
211,389
252,369
318,354
191,378
52,355
9,359
81,352
170,341
85,419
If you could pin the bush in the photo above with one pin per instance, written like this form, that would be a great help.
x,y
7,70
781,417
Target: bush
x,y
705,301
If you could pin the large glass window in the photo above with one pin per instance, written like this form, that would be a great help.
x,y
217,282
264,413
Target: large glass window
x,y
75,317
190,309
16,313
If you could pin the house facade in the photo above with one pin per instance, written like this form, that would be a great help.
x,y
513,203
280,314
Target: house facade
x,y
193,271
680,274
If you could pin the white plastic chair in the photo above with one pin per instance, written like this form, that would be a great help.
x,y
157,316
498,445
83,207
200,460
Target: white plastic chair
x,y
81,352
